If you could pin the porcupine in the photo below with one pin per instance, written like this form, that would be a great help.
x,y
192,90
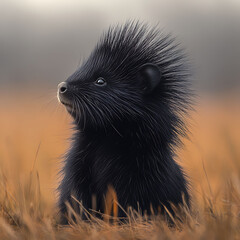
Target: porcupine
x,y
128,102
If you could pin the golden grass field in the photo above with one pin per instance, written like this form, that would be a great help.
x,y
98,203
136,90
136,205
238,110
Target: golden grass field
x,y
34,135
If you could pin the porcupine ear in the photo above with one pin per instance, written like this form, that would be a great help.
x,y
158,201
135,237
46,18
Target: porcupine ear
x,y
149,76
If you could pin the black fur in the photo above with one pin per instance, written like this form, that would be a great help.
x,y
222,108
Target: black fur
x,y
126,129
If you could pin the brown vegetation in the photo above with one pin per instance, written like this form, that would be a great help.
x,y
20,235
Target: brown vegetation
x,y
34,136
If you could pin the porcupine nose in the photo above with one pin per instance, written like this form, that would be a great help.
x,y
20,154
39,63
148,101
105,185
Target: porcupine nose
x,y
62,87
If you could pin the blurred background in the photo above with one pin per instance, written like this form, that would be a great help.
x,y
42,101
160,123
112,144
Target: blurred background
x,y
43,41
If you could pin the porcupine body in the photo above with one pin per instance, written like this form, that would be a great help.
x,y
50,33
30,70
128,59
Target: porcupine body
x,y
128,101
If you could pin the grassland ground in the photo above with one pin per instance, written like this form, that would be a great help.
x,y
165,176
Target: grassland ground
x,y
34,136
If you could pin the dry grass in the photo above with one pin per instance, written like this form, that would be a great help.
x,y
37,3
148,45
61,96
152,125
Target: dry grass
x,y
34,136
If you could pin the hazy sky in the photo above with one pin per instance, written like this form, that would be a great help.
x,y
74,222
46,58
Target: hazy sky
x,y
44,40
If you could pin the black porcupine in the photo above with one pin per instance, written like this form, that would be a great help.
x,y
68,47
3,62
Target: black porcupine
x,y
128,102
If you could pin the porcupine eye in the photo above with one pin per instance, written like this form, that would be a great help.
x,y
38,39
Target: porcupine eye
x,y
100,82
